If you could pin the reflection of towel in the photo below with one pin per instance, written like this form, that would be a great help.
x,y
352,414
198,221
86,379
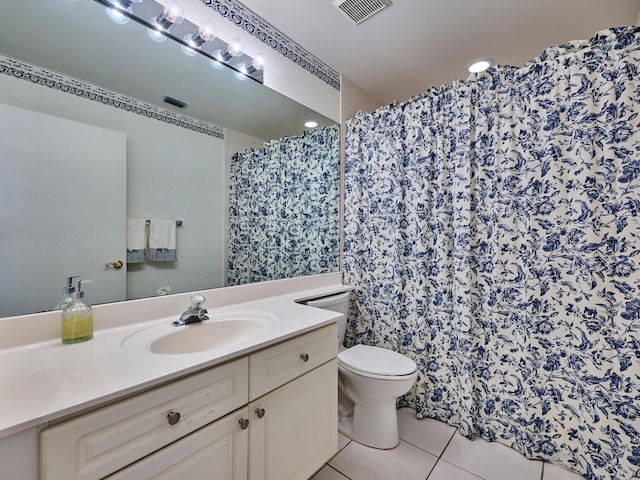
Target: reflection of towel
x,y
162,241
136,239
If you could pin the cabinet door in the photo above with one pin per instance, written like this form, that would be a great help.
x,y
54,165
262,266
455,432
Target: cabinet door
x,y
215,452
294,429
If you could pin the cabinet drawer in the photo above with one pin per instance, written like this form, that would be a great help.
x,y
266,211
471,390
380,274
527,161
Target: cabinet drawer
x,y
281,363
218,451
96,444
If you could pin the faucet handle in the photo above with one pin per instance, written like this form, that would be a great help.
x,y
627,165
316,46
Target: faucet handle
x,y
197,301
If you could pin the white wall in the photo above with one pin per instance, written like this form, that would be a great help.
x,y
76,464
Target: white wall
x,y
165,180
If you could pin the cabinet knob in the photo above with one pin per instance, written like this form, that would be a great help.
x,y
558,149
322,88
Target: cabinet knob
x,y
173,417
244,423
260,412
304,356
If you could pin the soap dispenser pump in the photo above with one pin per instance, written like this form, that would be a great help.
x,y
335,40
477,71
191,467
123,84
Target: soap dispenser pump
x,y
66,298
77,317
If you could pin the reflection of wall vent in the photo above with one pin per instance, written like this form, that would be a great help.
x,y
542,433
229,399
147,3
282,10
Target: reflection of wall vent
x,y
174,101
360,10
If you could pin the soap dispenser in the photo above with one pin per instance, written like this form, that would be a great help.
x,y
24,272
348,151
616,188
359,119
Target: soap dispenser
x,y
77,317
66,298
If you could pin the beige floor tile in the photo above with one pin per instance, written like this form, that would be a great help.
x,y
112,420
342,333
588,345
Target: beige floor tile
x,y
445,471
328,473
554,472
490,460
428,434
342,441
404,462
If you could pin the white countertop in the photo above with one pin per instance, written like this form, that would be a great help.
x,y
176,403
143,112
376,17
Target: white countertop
x,y
47,380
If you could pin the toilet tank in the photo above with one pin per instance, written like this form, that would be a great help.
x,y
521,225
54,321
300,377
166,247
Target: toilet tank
x,y
336,303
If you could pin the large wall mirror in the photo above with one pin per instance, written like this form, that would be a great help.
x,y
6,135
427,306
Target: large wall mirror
x,y
89,141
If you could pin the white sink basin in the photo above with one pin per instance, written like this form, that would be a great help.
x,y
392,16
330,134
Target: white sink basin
x,y
221,330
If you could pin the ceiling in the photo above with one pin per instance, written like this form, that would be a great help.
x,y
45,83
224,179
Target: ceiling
x,y
416,44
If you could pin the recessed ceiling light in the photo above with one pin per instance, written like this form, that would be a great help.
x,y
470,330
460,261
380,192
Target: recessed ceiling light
x,y
311,124
480,64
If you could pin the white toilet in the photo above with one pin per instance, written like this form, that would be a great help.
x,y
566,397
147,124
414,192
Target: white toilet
x,y
370,381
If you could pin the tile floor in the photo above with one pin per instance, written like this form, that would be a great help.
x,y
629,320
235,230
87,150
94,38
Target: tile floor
x,y
433,450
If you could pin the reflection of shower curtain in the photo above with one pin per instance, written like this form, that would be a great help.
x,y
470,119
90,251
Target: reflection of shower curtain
x,y
283,208
492,229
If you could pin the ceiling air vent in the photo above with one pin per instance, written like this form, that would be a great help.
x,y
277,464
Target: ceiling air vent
x,y
360,10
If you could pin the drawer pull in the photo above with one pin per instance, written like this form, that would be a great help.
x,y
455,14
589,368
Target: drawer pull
x,y
173,417
304,356
244,423
260,412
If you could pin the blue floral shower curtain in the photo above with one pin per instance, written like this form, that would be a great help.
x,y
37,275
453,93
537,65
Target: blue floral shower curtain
x,y
492,229
283,208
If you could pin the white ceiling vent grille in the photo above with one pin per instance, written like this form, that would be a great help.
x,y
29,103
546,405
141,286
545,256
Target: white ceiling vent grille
x,y
360,10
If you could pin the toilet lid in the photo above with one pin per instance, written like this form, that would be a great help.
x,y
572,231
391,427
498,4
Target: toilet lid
x,y
376,361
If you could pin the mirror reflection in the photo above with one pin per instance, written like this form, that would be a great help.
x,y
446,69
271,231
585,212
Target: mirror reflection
x,y
89,142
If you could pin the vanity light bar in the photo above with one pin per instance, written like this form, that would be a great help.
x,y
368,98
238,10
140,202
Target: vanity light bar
x,y
145,11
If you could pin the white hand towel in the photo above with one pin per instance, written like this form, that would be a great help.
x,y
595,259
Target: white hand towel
x,y
136,239
162,241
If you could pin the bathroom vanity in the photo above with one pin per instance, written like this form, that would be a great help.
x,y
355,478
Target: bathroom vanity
x,y
260,409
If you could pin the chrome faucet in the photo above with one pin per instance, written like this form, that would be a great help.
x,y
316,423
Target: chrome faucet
x,y
195,313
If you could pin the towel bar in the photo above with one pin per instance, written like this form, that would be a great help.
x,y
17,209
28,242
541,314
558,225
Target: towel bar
x,y
178,222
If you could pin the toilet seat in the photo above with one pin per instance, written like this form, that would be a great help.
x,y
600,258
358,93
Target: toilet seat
x,y
376,362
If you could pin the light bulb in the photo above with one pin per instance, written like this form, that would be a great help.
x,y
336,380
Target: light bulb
x,y
216,64
119,6
240,76
171,13
258,62
235,47
254,65
117,16
206,32
156,35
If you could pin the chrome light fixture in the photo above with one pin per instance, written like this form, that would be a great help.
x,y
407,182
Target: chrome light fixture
x,y
165,19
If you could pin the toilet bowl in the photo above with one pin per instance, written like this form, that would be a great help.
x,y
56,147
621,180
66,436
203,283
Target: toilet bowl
x,y
370,380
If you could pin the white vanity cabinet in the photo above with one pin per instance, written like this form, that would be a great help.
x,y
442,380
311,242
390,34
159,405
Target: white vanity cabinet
x,y
97,444
270,415
293,429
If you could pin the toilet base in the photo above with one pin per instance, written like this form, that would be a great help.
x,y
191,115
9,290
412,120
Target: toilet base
x,y
372,425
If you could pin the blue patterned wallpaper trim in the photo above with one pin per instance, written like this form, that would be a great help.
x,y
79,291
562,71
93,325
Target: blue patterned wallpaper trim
x,y
41,76
256,26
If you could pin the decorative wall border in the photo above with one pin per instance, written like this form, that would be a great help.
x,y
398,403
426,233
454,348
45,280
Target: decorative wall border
x,y
41,76
256,26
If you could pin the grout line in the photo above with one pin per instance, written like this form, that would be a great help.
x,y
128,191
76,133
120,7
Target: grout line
x,y
542,471
433,468
339,472
448,443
